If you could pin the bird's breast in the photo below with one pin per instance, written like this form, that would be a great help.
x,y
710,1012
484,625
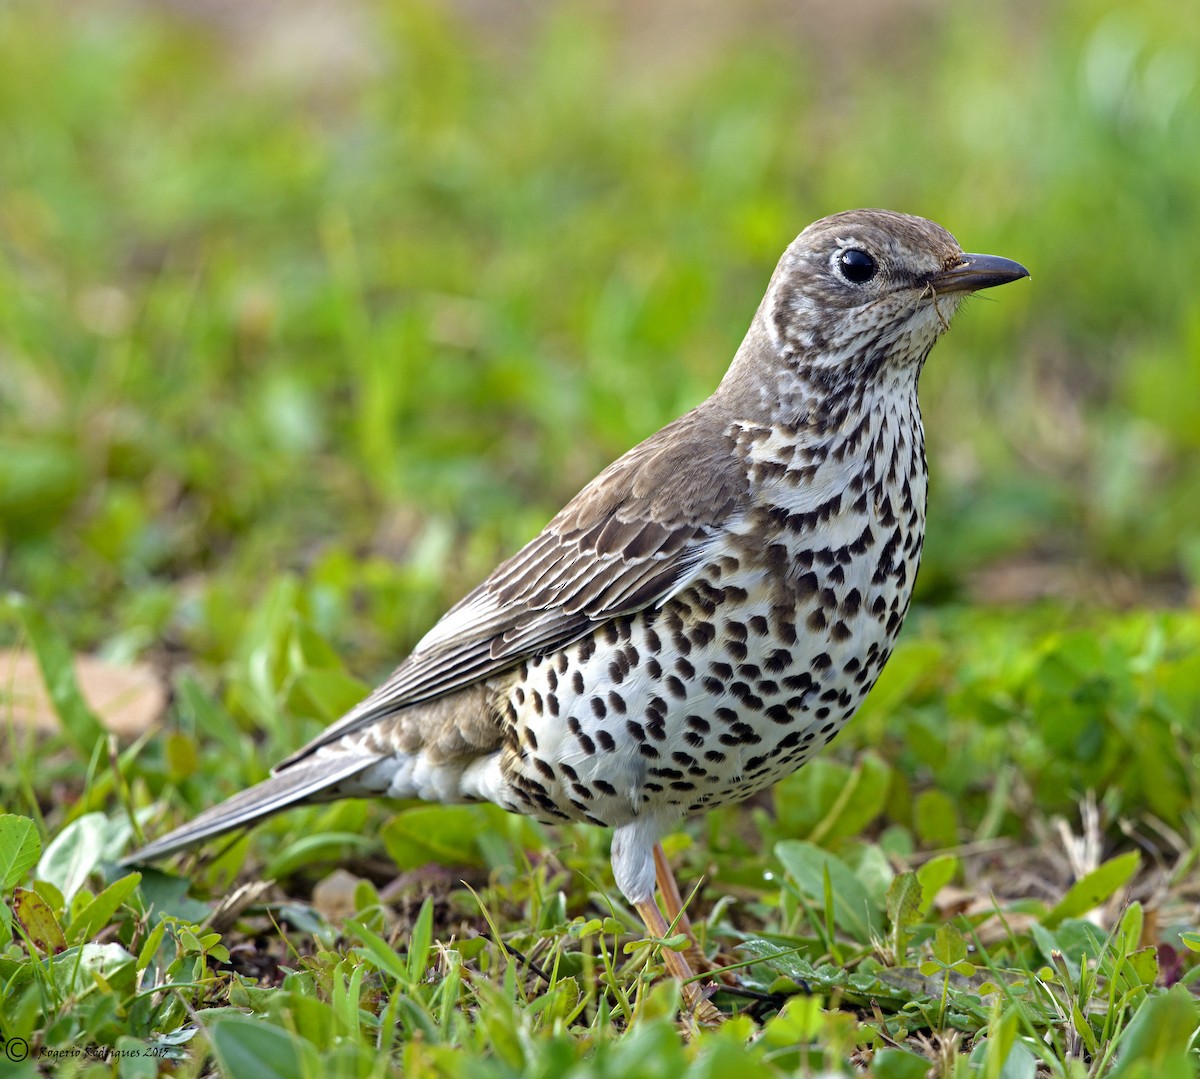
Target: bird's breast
x,y
755,664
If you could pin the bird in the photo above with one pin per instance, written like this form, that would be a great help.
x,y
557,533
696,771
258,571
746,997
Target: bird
x,y
708,612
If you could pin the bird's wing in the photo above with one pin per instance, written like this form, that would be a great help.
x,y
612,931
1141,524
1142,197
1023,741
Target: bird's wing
x,y
625,542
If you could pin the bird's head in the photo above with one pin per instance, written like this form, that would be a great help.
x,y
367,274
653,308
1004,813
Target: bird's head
x,y
866,290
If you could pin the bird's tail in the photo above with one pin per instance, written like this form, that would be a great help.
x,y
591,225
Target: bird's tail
x,y
301,781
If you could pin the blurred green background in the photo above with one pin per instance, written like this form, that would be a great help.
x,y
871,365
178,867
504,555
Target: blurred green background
x,y
365,292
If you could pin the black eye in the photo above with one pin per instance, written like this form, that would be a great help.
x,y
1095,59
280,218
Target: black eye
x,y
857,266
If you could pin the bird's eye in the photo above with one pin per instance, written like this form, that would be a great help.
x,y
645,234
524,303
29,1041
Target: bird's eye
x,y
857,266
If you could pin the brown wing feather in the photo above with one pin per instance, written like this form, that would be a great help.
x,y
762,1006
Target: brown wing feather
x,y
620,545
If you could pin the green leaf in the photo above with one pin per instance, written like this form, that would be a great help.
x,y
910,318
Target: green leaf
x,y
96,914
79,848
1157,1039
899,1064
310,849
830,801
420,941
446,835
151,945
809,866
107,968
382,955
1096,888
250,1049
949,947
904,900
934,875
19,848
1191,940
903,909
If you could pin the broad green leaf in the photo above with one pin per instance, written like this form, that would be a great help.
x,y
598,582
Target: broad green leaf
x,y
899,1064
79,848
808,866
447,835
1158,1036
827,800
1096,888
252,1049
108,968
19,848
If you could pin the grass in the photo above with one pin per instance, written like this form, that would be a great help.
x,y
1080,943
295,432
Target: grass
x,y
304,324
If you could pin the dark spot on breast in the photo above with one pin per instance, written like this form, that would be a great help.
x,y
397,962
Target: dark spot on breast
x,y
779,660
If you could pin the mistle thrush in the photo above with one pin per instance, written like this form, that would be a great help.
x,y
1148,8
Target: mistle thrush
x,y
710,610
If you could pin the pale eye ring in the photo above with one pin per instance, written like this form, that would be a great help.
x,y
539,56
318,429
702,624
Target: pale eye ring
x,y
856,266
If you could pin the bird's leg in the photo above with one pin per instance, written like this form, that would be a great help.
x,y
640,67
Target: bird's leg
x,y
704,1011
673,902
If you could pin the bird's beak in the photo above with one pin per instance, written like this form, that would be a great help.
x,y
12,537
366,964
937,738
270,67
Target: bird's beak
x,y
974,272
